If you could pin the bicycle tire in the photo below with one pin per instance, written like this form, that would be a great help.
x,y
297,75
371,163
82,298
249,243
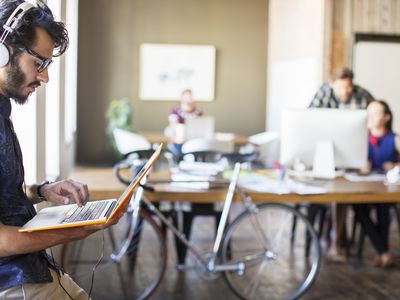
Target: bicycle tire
x,y
142,267
277,263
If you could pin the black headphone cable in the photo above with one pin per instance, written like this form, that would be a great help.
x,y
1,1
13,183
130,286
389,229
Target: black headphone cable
x,y
97,264
58,275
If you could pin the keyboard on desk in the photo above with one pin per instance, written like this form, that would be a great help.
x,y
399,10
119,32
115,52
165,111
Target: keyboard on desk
x,y
90,211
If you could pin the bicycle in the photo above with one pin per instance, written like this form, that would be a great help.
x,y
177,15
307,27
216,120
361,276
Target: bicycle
x,y
262,252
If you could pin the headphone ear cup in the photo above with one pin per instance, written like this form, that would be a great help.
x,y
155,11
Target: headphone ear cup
x,y
4,55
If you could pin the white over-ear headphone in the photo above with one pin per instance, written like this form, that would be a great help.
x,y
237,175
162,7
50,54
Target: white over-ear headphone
x,y
9,27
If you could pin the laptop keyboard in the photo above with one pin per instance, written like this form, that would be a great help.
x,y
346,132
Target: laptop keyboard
x,y
91,211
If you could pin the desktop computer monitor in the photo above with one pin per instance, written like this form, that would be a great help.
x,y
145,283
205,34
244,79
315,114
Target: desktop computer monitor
x,y
324,139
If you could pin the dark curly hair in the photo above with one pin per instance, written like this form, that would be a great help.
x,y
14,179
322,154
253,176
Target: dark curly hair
x,y
25,35
344,73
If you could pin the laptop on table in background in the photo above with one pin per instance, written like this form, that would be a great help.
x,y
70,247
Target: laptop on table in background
x,y
199,127
93,213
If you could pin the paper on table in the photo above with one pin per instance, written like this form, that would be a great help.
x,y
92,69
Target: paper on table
x,y
263,184
184,176
360,178
181,186
304,189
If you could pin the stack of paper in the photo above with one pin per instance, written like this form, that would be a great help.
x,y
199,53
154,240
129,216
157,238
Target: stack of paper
x,y
201,168
369,177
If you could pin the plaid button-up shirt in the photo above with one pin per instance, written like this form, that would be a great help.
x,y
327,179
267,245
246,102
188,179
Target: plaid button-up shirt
x,y
326,98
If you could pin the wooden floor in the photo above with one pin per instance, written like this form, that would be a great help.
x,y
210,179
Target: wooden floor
x,y
352,280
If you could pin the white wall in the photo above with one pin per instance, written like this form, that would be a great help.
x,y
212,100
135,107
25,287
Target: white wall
x,y
377,68
296,31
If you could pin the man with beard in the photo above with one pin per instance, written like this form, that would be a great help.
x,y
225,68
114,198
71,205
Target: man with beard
x,y
29,34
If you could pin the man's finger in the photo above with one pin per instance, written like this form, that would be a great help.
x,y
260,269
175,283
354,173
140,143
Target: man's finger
x,y
59,199
74,190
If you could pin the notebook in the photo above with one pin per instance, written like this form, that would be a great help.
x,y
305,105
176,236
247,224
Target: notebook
x,y
93,213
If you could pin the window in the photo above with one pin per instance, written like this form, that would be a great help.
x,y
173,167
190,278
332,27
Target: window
x,y
46,124
53,101
71,71
24,120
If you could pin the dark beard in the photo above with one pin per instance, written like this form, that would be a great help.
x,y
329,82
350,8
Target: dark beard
x,y
14,82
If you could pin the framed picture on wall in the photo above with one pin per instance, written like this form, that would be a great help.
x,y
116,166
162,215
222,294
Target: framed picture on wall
x,y
168,69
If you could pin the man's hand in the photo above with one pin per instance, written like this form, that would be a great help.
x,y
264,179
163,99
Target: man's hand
x,y
61,192
366,170
388,165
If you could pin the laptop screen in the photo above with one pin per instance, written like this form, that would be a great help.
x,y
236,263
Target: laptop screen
x,y
200,127
127,194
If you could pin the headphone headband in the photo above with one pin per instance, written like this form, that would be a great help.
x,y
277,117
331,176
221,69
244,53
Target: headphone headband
x,y
12,22
14,19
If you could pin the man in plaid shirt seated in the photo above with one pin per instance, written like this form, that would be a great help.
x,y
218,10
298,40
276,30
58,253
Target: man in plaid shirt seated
x,y
341,92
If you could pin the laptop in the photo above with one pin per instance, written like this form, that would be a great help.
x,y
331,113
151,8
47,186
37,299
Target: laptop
x,y
199,127
93,213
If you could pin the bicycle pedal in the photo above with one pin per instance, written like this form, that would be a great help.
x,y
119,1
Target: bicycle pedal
x,y
180,267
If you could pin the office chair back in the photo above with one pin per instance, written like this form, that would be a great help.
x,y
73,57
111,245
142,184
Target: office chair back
x,y
128,141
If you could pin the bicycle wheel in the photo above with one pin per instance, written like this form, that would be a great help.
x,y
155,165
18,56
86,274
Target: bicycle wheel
x,y
277,264
137,275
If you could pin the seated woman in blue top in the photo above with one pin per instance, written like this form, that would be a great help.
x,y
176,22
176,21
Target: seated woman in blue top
x,y
383,155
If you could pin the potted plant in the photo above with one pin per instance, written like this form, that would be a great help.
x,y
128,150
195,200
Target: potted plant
x,y
119,115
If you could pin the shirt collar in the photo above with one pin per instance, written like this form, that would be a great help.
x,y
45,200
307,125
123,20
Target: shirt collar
x,y
5,107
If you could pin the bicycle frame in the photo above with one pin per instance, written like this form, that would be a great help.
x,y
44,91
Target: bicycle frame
x,y
209,265
261,226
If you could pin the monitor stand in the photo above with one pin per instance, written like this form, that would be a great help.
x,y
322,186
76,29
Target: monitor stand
x,y
324,160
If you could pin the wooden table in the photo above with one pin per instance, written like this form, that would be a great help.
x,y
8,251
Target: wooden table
x,y
103,185
159,137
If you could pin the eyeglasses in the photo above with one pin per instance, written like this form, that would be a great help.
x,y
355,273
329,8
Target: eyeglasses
x,y
44,62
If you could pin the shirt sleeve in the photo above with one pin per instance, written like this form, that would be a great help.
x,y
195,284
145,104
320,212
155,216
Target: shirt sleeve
x,y
173,116
317,100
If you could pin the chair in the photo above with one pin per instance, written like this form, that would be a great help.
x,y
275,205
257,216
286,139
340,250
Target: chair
x,y
235,157
134,161
314,212
361,239
268,144
208,144
134,148
128,141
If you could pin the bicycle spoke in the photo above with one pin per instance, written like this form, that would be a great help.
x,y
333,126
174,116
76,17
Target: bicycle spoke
x,y
255,282
281,270
262,238
278,236
254,257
